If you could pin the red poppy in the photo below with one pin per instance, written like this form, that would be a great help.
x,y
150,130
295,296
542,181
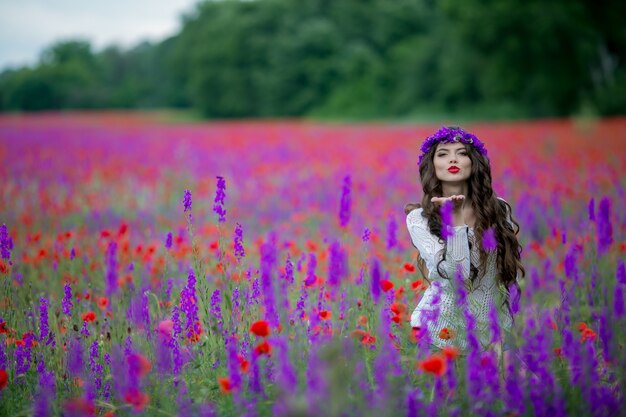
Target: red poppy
x,y
446,334
587,334
4,379
451,352
417,284
136,398
260,328
263,348
139,364
80,406
165,327
225,384
103,302
364,337
409,267
3,327
558,352
244,365
362,320
386,285
325,314
434,364
89,316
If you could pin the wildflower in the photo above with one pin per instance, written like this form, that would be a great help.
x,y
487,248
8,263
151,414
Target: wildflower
x,y
80,406
138,364
446,334
618,301
263,348
136,398
344,206
366,235
164,328
558,352
187,201
434,364
168,241
220,194
362,320
4,379
225,384
325,314
6,244
409,267
417,284
604,227
364,337
67,300
386,285
89,316
244,365
451,352
43,319
592,209
489,240
375,283
239,250
446,220
260,328
103,302
392,227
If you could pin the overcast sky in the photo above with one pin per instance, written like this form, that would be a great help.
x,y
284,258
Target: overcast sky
x,y
29,26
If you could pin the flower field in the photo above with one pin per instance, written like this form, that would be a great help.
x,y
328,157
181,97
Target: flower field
x,y
264,269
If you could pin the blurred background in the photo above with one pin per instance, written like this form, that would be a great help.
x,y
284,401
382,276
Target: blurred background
x,y
327,59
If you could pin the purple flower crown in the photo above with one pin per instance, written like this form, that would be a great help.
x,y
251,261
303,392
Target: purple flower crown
x,y
450,135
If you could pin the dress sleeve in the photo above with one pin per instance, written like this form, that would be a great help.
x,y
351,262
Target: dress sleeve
x,y
431,247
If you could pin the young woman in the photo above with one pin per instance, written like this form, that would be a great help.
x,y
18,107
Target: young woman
x,y
471,255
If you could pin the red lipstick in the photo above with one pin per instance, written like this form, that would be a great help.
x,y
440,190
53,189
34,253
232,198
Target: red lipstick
x,y
454,169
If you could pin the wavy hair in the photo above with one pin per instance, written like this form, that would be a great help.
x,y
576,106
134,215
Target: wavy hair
x,y
489,211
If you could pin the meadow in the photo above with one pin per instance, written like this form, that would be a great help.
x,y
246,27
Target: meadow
x,y
263,268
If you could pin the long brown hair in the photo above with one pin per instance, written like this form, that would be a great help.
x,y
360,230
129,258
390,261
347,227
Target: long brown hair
x,y
489,211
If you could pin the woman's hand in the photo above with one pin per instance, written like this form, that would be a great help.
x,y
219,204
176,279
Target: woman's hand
x,y
457,200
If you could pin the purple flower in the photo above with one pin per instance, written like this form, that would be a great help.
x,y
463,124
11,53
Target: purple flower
x,y
220,194
392,227
239,250
620,274
168,241
145,312
344,206
85,330
233,361
75,357
111,270
494,324
216,309
187,201
72,254
289,270
618,301
447,225
451,135
310,270
604,226
44,330
489,240
375,282
592,210
337,266
268,257
366,235
6,244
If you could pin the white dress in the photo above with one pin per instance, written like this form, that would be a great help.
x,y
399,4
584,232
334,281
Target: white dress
x,y
483,293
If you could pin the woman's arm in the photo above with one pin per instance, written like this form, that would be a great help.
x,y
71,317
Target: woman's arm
x,y
430,246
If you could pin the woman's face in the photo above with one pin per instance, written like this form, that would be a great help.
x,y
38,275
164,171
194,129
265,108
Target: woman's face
x,y
452,163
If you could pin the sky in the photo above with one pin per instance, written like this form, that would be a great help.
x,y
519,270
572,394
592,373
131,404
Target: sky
x,y
27,27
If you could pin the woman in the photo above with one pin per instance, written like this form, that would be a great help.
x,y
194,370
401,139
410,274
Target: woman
x,y
473,261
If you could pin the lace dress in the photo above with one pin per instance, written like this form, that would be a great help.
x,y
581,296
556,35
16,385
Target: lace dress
x,y
442,292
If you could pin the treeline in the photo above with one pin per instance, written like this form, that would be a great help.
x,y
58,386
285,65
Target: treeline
x,y
351,58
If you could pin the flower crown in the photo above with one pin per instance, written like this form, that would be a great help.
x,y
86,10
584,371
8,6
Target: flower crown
x,y
450,135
